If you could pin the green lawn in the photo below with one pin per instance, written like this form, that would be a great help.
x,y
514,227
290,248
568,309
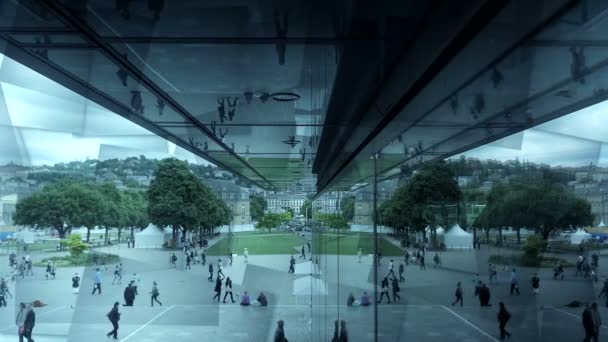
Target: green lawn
x,y
287,243
349,244
258,243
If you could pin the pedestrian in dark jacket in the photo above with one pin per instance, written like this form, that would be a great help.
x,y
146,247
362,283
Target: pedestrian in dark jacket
x,y
588,324
458,294
28,324
343,333
114,317
218,288
503,317
129,294
210,279
279,334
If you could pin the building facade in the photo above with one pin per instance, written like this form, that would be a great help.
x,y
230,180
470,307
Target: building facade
x,y
236,198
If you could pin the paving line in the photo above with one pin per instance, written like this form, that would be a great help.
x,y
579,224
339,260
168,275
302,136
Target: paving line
x,y
470,324
147,323
571,315
39,314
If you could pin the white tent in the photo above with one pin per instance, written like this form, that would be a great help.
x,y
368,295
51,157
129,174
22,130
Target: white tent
x,y
602,224
439,230
25,236
151,237
579,236
456,237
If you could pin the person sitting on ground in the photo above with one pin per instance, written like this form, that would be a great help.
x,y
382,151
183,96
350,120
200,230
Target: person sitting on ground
x,y
350,300
262,299
245,300
365,299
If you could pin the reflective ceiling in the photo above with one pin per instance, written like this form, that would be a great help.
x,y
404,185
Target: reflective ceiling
x,y
275,91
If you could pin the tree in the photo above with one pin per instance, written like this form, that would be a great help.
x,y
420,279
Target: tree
x,y
115,213
306,209
423,200
543,206
348,208
136,207
272,220
75,245
257,206
179,200
61,206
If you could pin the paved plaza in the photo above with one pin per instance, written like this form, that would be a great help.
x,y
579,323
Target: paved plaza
x,y
308,304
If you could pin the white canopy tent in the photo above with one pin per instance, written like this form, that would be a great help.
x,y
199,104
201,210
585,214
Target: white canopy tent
x,y
151,237
456,237
579,236
602,224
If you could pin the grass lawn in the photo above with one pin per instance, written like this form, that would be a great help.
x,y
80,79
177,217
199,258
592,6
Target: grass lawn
x,y
36,246
287,243
349,244
258,243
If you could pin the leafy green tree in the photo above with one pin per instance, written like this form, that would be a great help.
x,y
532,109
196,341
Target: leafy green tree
x,y
85,206
257,206
75,245
290,211
42,209
543,207
272,220
115,213
136,207
178,199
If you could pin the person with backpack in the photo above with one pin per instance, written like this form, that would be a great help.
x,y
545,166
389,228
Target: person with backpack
x,y
114,317
210,279
458,294
604,291
588,325
279,334
154,295
75,286
503,318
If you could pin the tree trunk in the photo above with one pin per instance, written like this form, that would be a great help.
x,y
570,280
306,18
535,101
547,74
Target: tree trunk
x,y
119,231
488,235
500,236
131,234
106,236
518,236
88,234
60,232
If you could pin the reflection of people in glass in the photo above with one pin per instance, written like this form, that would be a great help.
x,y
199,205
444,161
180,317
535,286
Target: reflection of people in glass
x,y
156,6
281,31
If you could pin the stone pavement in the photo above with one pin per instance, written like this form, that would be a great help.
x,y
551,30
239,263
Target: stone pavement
x,y
424,313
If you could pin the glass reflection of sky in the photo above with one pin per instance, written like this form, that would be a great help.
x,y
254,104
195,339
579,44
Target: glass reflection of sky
x,y
42,122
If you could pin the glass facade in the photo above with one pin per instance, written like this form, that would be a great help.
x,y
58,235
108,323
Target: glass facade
x,y
303,171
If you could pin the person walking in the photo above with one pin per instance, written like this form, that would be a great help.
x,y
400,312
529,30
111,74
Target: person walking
x,y
503,318
2,295
597,321
28,324
391,269
458,294
302,253
117,274
154,295
401,270
422,265
230,256
396,289
492,272
114,317
210,279
336,331
384,291
535,284
279,334
188,261
75,286
218,288
588,325
292,262
47,272
228,290
97,284
129,294
219,269
407,257
204,256
359,254
514,282
20,320
343,332
246,255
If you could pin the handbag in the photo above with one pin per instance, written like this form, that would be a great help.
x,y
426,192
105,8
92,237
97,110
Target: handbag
x,y
21,330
